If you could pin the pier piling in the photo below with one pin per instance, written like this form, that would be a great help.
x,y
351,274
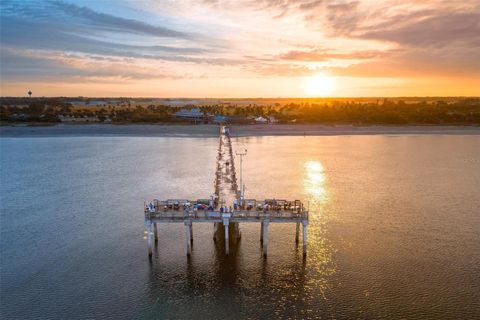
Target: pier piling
x,y
149,239
188,243
265,237
261,232
304,237
191,233
227,243
297,232
215,230
238,233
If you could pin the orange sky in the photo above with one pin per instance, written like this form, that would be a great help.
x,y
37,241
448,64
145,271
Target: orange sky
x,y
263,48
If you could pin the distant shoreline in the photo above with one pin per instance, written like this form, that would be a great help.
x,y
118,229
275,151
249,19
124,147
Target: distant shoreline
x,y
152,130
333,130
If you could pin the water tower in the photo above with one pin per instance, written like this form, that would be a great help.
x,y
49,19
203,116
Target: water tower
x,y
30,93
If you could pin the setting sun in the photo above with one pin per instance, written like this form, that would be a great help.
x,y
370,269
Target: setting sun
x,y
319,85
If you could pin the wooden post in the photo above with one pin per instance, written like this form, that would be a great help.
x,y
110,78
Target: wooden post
x,y
149,239
191,232
297,232
239,234
261,232
227,244
188,244
304,236
215,230
155,232
265,237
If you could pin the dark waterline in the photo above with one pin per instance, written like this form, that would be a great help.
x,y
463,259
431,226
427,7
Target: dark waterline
x,y
393,231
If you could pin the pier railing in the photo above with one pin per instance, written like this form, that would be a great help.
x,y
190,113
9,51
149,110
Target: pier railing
x,y
207,214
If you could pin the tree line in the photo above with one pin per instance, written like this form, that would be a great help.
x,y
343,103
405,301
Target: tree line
x,y
384,111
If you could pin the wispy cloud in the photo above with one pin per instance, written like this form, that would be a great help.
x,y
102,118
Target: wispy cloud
x,y
440,30
325,55
118,24
57,66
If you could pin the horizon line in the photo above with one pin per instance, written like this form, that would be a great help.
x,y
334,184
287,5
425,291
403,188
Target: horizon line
x,y
239,98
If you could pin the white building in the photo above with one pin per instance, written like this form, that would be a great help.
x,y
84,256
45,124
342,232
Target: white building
x,y
69,118
261,120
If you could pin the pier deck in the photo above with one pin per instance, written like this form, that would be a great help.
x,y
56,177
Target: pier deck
x,y
226,207
234,216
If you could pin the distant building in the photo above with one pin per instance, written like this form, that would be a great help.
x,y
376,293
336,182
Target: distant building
x,y
69,118
261,120
19,117
93,103
272,119
192,114
240,120
220,119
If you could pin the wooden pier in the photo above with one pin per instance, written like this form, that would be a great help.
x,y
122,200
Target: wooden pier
x,y
226,208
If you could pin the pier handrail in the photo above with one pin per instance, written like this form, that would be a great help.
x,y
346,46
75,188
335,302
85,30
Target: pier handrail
x,y
271,206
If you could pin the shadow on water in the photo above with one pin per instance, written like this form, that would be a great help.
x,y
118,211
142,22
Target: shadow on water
x,y
226,285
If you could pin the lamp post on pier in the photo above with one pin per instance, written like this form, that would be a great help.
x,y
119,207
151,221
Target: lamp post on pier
x,y
241,154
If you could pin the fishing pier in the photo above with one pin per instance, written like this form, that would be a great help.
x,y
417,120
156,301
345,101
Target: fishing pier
x,y
226,208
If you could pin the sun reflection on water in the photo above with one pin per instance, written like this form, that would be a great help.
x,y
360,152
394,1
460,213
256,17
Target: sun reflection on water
x,y
320,250
314,182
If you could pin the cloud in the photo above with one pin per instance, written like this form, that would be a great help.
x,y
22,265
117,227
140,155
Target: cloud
x,y
279,69
416,63
62,27
431,23
439,30
325,55
35,66
115,23
45,35
310,5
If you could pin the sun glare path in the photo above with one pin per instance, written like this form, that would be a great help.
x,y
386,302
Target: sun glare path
x,y
314,182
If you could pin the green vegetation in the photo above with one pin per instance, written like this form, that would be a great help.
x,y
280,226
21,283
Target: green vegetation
x,y
363,111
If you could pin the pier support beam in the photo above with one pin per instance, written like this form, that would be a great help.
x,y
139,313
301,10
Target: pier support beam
x,y
265,236
227,242
149,239
188,243
191,232
297,232
215,230
237,231
155,232
304,236
261,232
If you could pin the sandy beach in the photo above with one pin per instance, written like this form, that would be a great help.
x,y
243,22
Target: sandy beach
x,y
324,130
237,130
142,130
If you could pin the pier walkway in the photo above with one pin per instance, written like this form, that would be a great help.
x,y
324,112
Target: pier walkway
x,y
226,208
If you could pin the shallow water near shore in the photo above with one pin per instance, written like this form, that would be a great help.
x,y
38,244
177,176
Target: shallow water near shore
x,y
394,229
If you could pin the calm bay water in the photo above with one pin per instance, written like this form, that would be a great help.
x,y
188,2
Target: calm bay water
x,y
394,230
